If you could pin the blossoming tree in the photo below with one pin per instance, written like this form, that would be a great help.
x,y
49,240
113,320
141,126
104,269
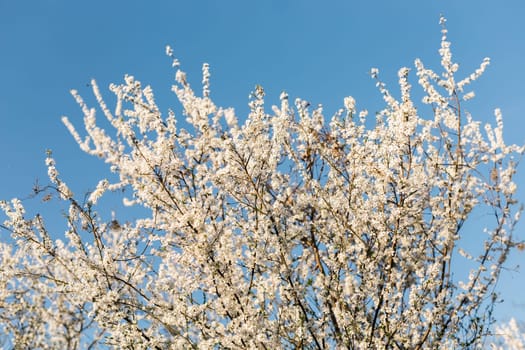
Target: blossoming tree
x,y
283,230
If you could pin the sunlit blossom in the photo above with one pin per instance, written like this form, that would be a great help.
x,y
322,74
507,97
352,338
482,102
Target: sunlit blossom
x,y
282,229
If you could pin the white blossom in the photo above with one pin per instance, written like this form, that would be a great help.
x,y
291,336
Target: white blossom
x,y
286,230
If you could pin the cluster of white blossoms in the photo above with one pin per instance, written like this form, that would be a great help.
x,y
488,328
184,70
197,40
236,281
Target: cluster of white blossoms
x,y
510,336
286,230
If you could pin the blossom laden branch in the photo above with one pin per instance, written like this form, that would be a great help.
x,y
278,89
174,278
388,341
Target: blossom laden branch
x,y
288,230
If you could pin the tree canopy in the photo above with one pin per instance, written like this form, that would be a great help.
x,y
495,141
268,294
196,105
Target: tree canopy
x,y
284,229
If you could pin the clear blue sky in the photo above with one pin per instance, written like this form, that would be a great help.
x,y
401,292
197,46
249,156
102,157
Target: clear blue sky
x,y
319,51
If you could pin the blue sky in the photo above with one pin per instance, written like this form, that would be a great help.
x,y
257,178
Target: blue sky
x,y
319,51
